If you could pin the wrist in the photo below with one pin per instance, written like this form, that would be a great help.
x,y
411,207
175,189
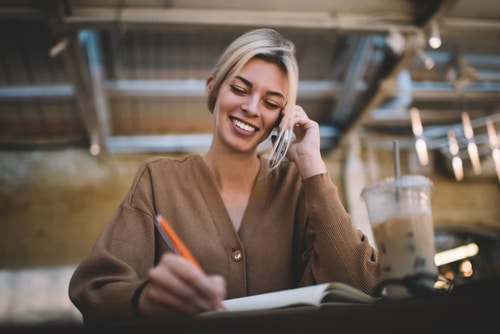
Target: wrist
x,y
310,165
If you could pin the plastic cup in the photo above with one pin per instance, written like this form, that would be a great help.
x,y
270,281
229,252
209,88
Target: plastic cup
x,y
400,214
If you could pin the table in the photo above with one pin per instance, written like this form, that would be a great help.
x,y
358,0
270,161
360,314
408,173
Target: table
x,y
473,307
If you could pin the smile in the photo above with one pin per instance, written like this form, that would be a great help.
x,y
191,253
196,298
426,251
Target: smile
x,y
243,126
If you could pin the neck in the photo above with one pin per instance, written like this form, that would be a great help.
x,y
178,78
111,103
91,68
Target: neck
x,y
233,169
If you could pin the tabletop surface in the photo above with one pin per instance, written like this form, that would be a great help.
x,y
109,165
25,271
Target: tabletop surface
x,y
471,307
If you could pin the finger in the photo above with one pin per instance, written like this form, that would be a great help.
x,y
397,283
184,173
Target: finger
x,y
181,284
300,117
163,303
299,112
211,288
174,297
219,285
170,289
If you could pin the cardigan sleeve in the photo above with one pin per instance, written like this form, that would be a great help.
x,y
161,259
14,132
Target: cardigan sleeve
x,y
106,281
334,249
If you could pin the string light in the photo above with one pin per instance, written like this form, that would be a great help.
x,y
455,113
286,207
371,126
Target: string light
x,y
435,36
494,145
456,254
492,135
456,162
471,145
460,142
418,130
59,47
429,63
416,122
95,146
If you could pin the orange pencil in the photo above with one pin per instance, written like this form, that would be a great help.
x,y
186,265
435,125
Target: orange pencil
x,y
173,240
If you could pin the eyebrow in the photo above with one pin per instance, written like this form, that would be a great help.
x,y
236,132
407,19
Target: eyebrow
x,y
248,83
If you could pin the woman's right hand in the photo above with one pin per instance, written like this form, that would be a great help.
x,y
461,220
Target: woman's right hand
x,y
178,288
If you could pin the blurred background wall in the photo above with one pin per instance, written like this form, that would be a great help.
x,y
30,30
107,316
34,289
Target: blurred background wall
x,y
54,203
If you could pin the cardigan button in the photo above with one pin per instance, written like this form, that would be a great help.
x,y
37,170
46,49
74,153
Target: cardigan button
x,y
237,255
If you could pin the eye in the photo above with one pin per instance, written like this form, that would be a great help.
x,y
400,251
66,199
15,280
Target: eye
x,y
238,89
272,105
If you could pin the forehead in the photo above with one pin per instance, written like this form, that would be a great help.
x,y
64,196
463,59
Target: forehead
x,y
263,73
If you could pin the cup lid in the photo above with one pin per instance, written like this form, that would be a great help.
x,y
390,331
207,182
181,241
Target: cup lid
x,y
404,181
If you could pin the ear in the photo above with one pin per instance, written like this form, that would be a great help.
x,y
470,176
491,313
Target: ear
x,y
208,83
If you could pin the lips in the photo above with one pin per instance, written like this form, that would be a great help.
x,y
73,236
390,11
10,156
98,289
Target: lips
x,y
243,126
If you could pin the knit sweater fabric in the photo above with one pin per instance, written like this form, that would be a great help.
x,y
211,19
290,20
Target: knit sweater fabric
x,y
293,233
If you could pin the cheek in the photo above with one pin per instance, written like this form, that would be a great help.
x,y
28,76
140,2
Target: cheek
x,y
228,101
271,121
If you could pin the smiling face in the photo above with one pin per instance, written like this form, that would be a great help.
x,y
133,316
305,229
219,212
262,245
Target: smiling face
x,y
248,105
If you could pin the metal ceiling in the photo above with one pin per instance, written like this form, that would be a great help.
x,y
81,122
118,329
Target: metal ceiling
x,y
128,76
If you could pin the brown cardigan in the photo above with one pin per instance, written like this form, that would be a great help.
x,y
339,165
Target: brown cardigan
x,y
294,232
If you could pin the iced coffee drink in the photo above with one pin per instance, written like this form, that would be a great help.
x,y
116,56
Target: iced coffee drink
x,y
401,220
406,246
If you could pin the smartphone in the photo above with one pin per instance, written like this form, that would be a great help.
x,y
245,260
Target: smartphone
x,y
281,140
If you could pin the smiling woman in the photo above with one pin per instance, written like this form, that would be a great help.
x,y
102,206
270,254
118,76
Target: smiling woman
x,y
253,105
273,59
228,207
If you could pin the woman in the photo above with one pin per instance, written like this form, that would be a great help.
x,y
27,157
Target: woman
x,y
255,224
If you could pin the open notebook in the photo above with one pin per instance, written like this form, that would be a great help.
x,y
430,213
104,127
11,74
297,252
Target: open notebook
x,y
314,295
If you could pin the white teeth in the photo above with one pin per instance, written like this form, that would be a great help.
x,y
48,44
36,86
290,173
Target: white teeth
x,y
244,126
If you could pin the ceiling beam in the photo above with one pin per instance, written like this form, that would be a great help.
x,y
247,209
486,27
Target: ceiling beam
x,y
446,91
37,92
108,17
360,59
91,45
191,88
196,88
180,143
76,69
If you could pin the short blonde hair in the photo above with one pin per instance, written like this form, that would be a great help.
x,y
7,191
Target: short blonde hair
x,y
266,44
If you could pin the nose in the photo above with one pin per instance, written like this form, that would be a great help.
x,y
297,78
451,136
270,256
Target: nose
x,y
251,105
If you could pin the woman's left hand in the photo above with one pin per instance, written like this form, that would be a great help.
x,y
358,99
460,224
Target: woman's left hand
x,y
305,150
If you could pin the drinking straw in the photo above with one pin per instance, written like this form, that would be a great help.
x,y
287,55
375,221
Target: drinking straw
x,y
396,166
